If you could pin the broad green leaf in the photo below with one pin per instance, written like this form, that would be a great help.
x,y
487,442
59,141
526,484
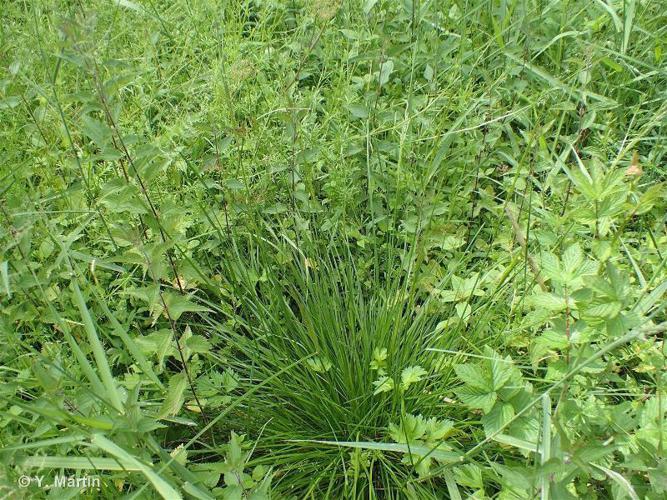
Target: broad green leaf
x,y
469,475
500,415
368,6
198,344
573,259
476,398
409,429
550,266
98,131
501,369
177,304
358,110
175,396
607,310
379,358
474,376
548,301
386,69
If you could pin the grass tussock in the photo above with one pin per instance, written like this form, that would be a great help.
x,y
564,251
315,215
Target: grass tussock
x,y
324,249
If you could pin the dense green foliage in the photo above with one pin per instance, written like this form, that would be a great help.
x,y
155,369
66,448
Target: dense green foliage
x,y
382,249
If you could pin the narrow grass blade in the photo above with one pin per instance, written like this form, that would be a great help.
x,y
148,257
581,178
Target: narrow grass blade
x,y
620,480
85,365
98,351
545,448
222,414
452,487
45,442
160,485
521,444
131,346
419,450
4,272
612,13
78,463
628,19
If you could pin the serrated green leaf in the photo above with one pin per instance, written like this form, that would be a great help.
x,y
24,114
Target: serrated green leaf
x,y
383,384
197,343
499,416
175,396
477,398
501,369
473,376
412,375
573,258
177,304
548,301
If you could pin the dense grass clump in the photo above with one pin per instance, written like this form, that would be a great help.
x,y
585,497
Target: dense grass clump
x,y
347,336
321,249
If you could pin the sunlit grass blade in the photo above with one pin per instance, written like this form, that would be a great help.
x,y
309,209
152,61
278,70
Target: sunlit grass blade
x,y
98,351
161,486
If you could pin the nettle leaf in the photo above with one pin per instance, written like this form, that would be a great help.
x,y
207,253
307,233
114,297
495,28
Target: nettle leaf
x,y
177,304
550,266
175,396
197,343
412,375
484,380
619,282
230,380
428,72
549,341
358,110
437,430
149,294
422,434
607,310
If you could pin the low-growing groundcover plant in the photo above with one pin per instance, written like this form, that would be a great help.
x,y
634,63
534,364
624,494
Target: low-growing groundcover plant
x,y
319,249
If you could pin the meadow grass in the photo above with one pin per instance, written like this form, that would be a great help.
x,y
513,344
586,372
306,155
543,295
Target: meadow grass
x,y
264,249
